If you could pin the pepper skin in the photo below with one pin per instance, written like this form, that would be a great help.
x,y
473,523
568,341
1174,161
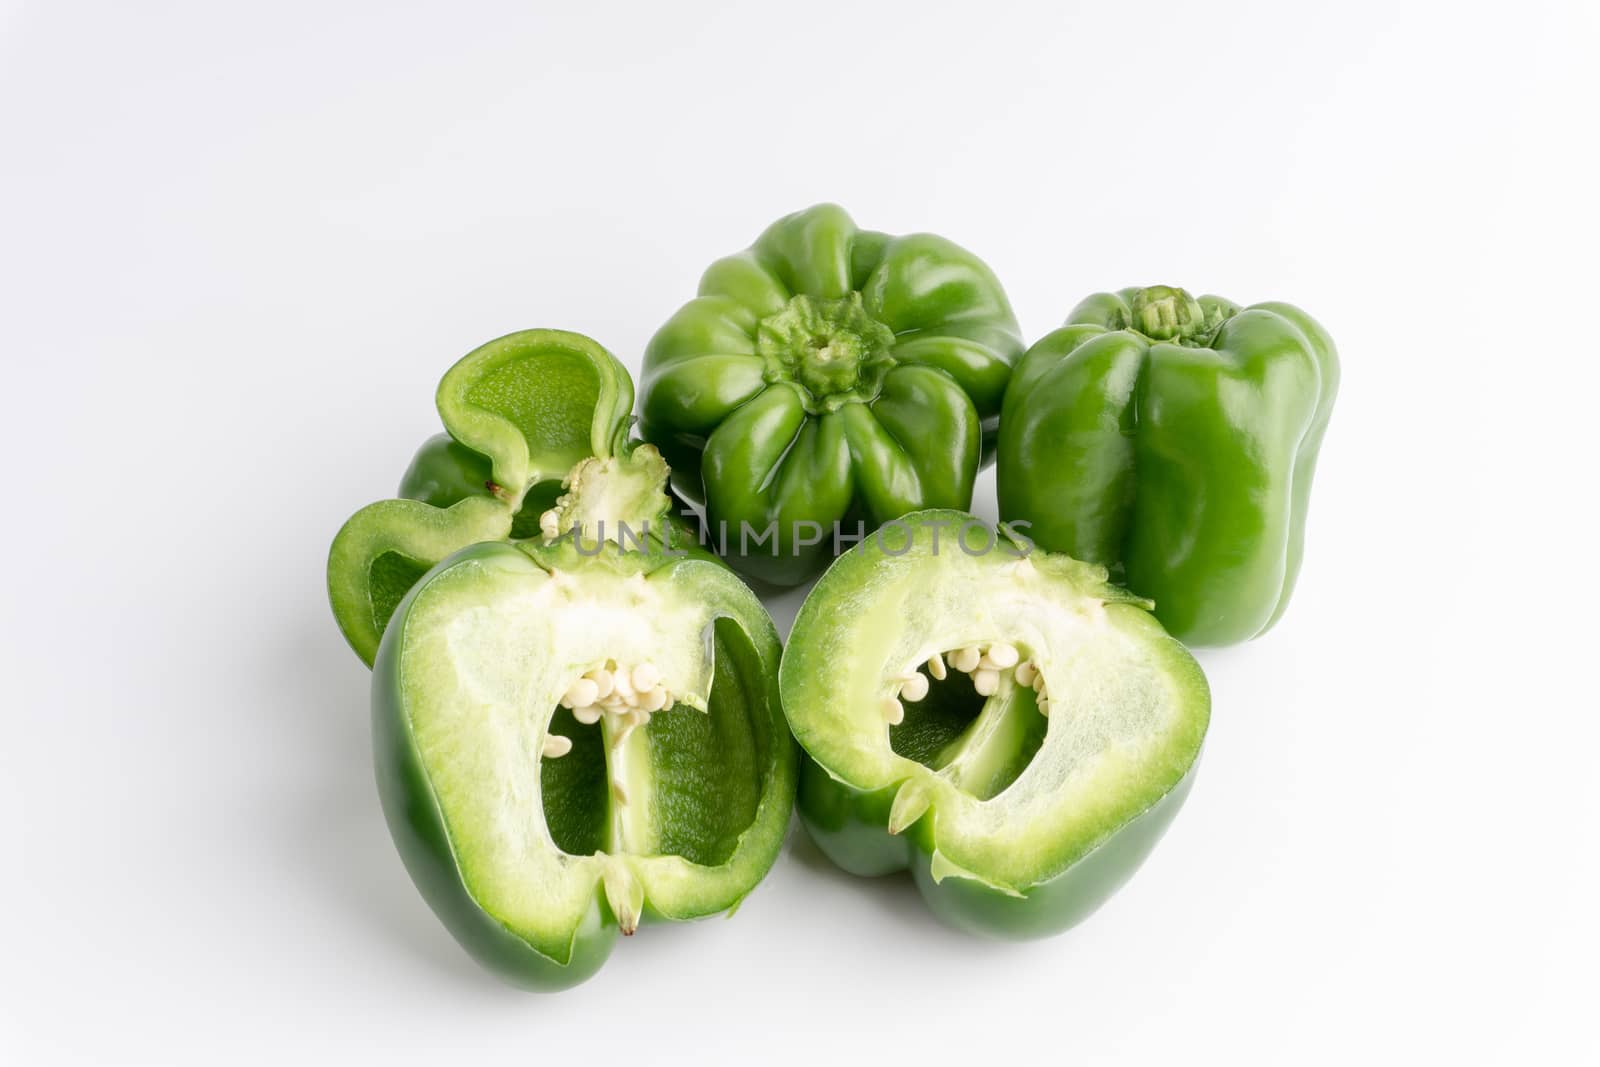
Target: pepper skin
x,y
1174,440
521,411
828,375
1002,721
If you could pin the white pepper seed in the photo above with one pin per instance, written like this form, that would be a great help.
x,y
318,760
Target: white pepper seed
x,y
1002,655
583,693
644,677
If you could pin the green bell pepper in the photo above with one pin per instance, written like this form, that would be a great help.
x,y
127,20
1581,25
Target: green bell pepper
x,y
521,412
571,736
1174,440
1000,719
828,378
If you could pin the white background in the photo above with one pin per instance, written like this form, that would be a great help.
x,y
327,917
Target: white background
x,y
240,243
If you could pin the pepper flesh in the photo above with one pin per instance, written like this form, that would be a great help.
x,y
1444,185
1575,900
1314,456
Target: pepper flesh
x,y
1013,823
1174,439
828,375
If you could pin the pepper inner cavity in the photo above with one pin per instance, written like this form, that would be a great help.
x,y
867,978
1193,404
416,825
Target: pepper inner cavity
x,y
976,714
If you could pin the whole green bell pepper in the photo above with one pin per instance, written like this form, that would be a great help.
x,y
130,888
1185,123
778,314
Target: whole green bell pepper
x,y
572,735
1000,719
521,412
1174,440
825,379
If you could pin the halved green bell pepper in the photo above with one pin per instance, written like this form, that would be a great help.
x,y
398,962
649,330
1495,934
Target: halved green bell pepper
x,y
571,737
1002,720
828,375
1174,440
521,412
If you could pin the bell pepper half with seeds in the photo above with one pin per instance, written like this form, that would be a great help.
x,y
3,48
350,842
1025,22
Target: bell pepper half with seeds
x,y
1007,724
568,744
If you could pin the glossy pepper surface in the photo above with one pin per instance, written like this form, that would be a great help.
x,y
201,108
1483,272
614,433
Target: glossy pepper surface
x,y
1002,721
521,412
828,375
572,736
1174,440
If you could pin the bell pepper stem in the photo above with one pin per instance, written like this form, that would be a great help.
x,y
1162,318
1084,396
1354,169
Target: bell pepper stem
x,y
624,894
1165,313
911,802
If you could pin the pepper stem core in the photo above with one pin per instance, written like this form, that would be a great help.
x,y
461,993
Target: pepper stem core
x,y
610,497
832,349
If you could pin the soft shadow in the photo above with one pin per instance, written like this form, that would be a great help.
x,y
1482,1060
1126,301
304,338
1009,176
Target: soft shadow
x,y
894,896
